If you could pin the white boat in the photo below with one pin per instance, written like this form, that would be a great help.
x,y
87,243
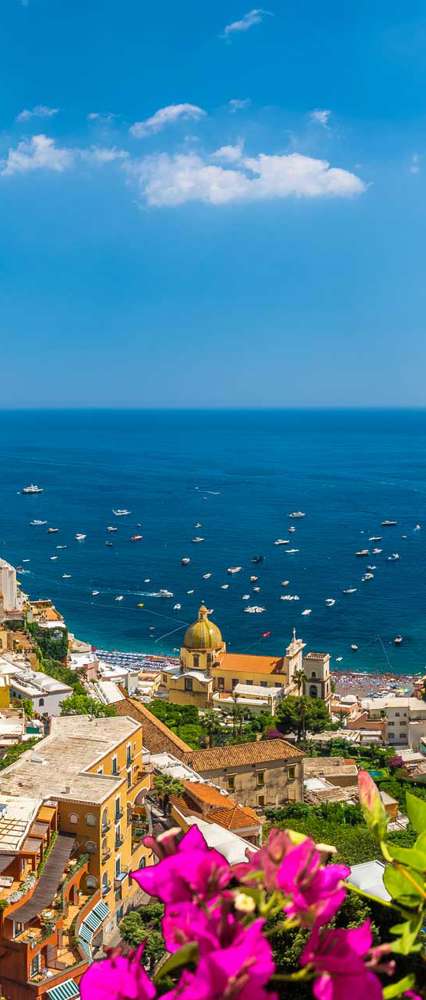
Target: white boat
x,y
111,527
289,597
376,552
190,592
206,576
32,488
95,593
375,538
121,513
291,551
36,522
388,524
197,539
354,647
362,552
394,557
256,590
177,607
198,524
371,568
225,586
292,528
418,527
350,590
185,561
80,537
254,610
330,601
53,558
307,611
285,583
26,560
119,598
245,597
52,531
367,576
234,569
297,514
61,546
281,541
66,576
165,593
254,579
339,659
398,640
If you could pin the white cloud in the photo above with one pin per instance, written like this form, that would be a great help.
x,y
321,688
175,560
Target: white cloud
x,y
320,116
238,104
39,111
174,180
249,20
37,153
229,154
166,116
103,154
414,167
96,116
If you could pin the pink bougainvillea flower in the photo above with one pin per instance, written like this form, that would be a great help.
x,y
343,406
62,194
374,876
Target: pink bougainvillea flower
x,y
185,922
315,892
193,871
371,804
338,960
262,866
238,973
119,977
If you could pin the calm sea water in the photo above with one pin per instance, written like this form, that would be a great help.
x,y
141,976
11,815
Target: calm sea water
x,y
239,474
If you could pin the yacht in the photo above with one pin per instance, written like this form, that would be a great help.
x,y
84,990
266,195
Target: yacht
x,y
297,514
398,640
32,488
177,607
53,558
371,568
376,552
367,576
119,598
136,538
281,541
330,601
165,593
234,569
190,592
206,576
95,593
339,659
254,610
185,561
307,611
291,551
375,538
52,531
80,537
354,647
66,576
197,539
121,513
245,597
418,527
292,528
254,579
198,524
285,583
389,524
350,590
225,586
362,552
394,557
36,522
111,527
256,590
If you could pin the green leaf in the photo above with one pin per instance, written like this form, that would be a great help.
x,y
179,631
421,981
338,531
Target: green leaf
x,y
406,887
398,988
407,936
416,809
184,956
411,856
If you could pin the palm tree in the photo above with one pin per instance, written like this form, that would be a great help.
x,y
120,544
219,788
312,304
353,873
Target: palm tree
x,y
299,677
164,788
212,726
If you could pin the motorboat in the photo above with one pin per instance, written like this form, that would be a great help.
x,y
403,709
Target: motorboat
x,y
80,537
292,528
371,568
121,512
120,597
307,611
95,593
285,583
297,514
398,640
165,593
52,558
31,489
362,552
190,592
177,607
111,527
291,551
185,561
197,539
198,524
367,576
66,576
354,647
254,579
136,538
389,524
289,597
36,522
109,543
418,527
394,557
330,601
52,531
234,569
62,546
140,604
256,590
339,659
225,586
375,538
350,590
26,560
206,576
245,597
257,560
281,541
376,552
254,610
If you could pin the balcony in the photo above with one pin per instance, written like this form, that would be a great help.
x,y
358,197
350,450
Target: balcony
x,y
106,827
106,888
106,855
118,815
119,841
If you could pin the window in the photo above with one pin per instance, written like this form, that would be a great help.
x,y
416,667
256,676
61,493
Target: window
x,y
312,691
210,659
264,684
196,660
90,819
188,683
129,779
235,681
117,866
291,772
73,818
128,755
313,674
261,800
114,765
18,927
260,779
117,810
101,770
92,882
221,683
90,847
36,964
231,782
249,682
41,701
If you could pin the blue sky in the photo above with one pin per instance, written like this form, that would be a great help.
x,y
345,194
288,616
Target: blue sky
x,y
212,204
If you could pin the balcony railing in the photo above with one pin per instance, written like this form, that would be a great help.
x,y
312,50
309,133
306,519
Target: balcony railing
x,y
106,888
119,841
118,815
105,827
106,855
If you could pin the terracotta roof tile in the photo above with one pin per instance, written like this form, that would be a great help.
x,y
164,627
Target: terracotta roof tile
x,y
238,754
157,737
251,664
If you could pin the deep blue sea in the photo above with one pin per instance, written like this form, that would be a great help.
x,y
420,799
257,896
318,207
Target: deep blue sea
x,y
239,474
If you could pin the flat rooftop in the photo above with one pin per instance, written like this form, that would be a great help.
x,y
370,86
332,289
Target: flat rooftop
x,y
58,767
16,817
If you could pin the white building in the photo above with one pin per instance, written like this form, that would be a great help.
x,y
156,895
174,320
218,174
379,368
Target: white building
x,y
8,587
45,693
252,696
405,717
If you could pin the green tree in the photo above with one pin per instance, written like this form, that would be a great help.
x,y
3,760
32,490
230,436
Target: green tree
x,y
82,704
165,786
302,715
28,707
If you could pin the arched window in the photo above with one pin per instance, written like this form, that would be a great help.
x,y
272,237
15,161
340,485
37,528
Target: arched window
x,y
312,691
313,674
90,819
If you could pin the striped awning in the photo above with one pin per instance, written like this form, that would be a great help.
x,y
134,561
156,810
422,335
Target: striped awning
x,y
96,916
64,991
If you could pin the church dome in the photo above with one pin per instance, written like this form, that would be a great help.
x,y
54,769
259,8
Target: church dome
x,y
203,634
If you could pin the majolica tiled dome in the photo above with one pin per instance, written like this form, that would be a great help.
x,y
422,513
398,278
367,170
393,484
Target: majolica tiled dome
x,y
203,634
